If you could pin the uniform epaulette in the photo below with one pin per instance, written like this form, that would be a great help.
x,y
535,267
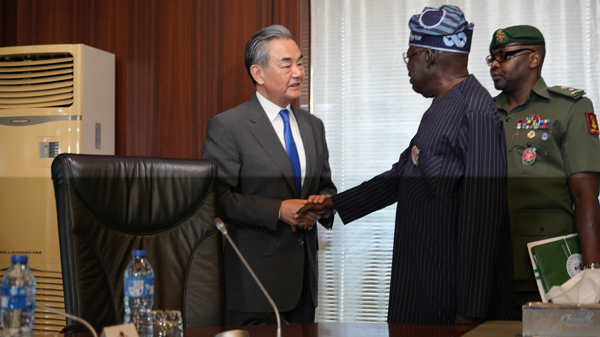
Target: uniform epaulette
x,y
566,91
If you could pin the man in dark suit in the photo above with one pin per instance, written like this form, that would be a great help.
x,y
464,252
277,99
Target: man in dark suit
x,y
452,256
270,154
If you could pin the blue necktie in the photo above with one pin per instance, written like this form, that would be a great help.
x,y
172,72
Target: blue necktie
x,y
292,152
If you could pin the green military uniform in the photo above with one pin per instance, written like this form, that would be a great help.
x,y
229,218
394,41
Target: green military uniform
x,y
548,139
550,136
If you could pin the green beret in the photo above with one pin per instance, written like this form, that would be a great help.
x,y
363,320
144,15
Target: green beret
x,y
516,35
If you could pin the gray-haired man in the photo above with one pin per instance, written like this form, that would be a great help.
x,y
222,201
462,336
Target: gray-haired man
x,y
270,154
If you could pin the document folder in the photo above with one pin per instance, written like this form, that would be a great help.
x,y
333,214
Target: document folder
x,y
554,261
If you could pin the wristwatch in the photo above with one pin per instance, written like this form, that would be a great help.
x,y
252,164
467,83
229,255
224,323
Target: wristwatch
x,y
594,265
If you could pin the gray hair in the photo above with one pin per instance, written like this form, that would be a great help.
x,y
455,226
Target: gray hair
x,y
256,49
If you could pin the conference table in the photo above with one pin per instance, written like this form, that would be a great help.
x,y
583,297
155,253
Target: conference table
x,y
337,329
356,329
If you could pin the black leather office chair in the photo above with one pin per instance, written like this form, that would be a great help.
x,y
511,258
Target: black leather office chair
x,y
109,205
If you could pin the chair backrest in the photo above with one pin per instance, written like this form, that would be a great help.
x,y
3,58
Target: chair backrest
x,y
109,205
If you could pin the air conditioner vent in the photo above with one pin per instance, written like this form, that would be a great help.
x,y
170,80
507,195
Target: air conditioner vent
x,y
49,292
36,81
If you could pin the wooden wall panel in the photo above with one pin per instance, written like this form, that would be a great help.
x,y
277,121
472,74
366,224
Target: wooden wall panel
x,y
178,62
8,26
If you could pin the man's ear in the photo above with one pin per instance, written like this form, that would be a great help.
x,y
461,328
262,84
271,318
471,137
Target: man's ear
x,y
535,60
257,74
430,56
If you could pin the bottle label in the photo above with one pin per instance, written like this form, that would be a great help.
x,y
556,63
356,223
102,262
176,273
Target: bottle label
x,y
139,287
20,298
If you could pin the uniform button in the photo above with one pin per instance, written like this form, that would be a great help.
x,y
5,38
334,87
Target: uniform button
x,y
509,119
528,143
541,229
300,241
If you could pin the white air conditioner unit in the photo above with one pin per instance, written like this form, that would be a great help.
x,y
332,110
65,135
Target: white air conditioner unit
x,y
53,99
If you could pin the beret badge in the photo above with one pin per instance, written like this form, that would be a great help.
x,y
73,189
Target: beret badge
x,y
500,37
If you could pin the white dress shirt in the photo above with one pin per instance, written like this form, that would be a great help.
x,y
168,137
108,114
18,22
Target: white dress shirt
x,y
272,111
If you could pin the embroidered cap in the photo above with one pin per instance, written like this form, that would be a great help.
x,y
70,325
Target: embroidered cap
x,y
443,28
516,35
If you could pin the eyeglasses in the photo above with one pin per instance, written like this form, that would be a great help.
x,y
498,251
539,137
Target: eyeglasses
x,y
506,55
405,55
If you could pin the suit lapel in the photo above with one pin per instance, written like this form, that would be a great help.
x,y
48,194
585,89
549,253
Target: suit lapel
x,y
263,131
308,141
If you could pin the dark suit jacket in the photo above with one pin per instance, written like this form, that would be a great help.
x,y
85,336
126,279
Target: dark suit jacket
x,y
255,176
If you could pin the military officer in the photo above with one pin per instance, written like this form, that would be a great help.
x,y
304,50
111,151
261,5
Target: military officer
x,y
553,154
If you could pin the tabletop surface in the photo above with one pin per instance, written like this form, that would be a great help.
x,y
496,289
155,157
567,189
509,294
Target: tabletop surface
x,y
356,329
337,329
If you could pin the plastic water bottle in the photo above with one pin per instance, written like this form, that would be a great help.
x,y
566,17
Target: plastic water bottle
x,y
139,293
18,299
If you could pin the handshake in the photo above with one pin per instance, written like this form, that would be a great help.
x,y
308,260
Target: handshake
x,y
303,214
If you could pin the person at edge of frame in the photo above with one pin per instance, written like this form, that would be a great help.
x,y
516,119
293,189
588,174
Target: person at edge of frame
x,y
553,153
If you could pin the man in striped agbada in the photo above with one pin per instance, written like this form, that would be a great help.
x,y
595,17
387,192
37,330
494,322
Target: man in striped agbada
x,y
452,261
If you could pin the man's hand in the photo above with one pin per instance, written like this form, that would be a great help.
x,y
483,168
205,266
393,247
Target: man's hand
x,y
318,199
287,214
320,205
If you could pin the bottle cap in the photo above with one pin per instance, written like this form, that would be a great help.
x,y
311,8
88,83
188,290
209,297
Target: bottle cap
x,y
19,259
138,253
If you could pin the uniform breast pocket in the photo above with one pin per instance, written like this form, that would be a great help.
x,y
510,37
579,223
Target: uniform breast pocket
x,y
528,152
535,225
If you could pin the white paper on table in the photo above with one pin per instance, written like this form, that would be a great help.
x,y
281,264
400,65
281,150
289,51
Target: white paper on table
x,y
583,288
121,330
